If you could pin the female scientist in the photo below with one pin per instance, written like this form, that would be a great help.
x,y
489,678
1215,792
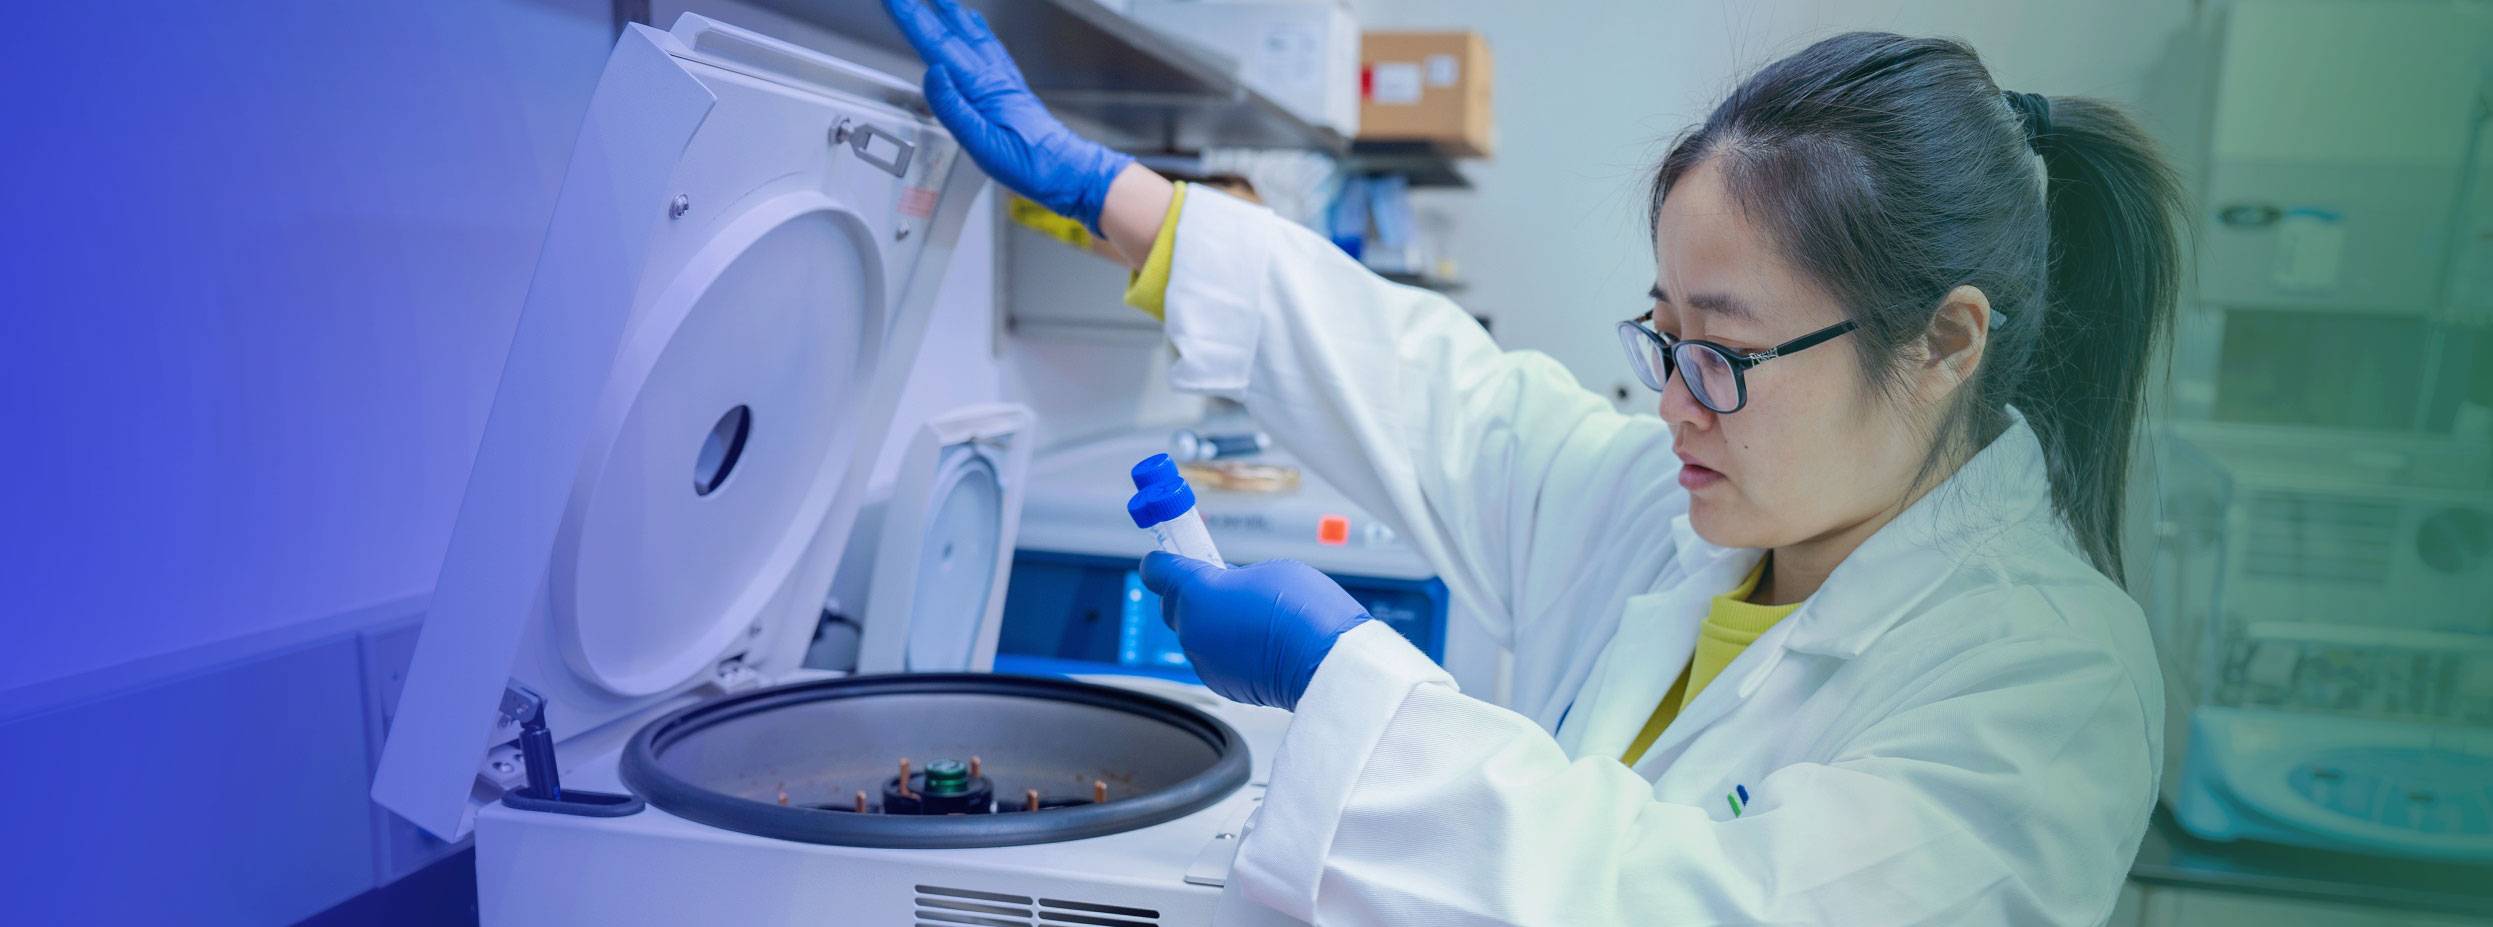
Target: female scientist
x,y
1835,639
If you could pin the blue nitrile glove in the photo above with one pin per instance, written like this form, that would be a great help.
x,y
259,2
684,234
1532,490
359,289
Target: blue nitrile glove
x,y
980,95
1255,633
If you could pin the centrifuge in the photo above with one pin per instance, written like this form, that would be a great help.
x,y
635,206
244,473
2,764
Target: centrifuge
x,y
607,691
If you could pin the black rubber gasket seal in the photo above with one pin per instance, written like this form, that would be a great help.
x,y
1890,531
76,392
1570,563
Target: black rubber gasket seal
x,y
577,802
643,773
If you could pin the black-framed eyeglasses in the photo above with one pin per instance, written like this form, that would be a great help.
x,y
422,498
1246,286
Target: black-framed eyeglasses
x,y
1720,382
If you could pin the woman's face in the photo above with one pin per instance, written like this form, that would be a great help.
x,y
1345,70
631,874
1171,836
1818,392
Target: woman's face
x,y
1814,454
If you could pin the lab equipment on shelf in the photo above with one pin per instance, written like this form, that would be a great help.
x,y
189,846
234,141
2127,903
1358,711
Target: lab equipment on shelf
x,y
1189,445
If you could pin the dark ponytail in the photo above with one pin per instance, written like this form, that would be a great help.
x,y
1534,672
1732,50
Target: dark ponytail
x,y
1894,170
2115,272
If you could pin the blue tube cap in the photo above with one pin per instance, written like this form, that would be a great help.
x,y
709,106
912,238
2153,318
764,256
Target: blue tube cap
x,y
1157,470
1160,492
1153,506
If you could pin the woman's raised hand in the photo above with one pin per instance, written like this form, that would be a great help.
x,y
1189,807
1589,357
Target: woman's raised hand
x,y
976,90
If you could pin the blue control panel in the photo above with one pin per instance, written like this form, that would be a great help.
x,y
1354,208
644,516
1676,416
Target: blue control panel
x,y
1144,639
1083,613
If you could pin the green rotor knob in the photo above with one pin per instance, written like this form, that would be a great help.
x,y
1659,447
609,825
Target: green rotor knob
x,y
947,777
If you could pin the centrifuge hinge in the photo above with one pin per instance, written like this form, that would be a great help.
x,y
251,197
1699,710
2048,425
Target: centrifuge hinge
x,y
544,790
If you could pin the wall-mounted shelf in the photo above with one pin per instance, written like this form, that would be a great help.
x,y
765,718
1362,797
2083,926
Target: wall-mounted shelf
x,y
1424,164
1131,86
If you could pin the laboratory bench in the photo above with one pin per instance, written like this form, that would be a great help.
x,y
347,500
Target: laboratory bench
x,y
443,894
2170,857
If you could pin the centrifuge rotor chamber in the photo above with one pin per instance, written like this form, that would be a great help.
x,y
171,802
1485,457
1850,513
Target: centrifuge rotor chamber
x,y
788,762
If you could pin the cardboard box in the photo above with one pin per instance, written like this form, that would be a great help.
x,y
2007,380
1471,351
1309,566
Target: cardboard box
x,y
1427,87
1302,54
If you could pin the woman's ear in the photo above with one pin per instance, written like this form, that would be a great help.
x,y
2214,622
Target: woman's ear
x,y
1952,348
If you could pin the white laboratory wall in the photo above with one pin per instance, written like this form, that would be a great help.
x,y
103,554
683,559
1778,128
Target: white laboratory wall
x,y
1590,93
265,295
351,203
249,479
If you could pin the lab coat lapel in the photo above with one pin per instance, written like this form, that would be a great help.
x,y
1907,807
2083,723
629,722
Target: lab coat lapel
x,y
1739,680
1890,574
1656,633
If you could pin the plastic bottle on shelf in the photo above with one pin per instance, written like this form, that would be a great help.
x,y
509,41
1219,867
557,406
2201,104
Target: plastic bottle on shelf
x,y
1165,505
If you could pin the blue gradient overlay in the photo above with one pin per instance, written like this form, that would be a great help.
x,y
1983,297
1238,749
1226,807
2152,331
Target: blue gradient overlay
x,y
262,264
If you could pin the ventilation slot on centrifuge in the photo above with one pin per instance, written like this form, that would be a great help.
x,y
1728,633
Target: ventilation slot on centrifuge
x,y
939,906
2318,539
1104,915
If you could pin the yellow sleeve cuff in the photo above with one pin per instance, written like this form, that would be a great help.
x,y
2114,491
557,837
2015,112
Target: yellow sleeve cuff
x,y
1149,288
1038,218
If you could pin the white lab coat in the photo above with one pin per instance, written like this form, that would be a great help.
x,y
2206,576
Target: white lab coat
x,y
1962,726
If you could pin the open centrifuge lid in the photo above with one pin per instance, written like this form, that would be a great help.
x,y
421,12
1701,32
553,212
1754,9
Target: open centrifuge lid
x,y
737,273
947,543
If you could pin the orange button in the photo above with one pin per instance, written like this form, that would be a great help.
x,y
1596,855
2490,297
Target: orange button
x,y
1333,529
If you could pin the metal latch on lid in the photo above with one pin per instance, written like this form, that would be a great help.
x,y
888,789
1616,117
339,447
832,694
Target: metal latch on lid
x,y
860,137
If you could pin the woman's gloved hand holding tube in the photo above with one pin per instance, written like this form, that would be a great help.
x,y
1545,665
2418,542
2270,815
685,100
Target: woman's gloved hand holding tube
x,y
1255,633
976,90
